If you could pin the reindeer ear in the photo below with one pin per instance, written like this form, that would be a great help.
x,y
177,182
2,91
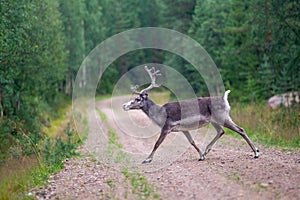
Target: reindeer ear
x,y
145,95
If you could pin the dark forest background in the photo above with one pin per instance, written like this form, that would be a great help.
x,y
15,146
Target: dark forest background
x,y
255,45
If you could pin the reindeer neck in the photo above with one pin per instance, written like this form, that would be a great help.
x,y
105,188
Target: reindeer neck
x,y
149,104
155,112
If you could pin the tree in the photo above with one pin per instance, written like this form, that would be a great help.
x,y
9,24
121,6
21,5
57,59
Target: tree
x,y
278,36
94,31
119,16
32,65
33,54
73,12
177,15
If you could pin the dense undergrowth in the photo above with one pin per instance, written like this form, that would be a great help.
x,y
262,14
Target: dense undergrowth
x,y
28,158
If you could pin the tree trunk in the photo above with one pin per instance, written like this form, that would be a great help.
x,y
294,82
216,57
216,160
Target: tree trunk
x,y
1,106
68,83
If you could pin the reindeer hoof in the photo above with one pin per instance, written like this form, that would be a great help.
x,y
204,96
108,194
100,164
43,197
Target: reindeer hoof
x,y
202,158
256,154
148,160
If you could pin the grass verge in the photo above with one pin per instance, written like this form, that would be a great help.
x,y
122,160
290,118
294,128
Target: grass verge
x,y
139,186
278,127
114,147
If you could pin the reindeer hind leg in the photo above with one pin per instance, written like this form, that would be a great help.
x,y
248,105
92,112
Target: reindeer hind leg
x,y
220,132
231,125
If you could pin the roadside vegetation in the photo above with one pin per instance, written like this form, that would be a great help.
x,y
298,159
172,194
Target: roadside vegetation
x,y
28,164
278,127
139,186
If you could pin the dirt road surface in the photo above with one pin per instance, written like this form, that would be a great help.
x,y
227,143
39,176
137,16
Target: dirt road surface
x,y
228,172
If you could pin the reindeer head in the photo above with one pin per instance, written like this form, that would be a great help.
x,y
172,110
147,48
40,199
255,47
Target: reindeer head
x,y
140,101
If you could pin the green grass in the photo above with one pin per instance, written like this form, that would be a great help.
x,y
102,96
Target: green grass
x,y
112,135
16,180
113,138
102,97
139,185
114,147
160,98
19,174
270,127
58,116
103,117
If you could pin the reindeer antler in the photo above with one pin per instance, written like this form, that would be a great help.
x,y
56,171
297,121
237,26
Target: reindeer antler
x,y
153,74
134,89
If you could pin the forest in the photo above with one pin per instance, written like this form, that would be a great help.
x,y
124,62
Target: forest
x,y
255,45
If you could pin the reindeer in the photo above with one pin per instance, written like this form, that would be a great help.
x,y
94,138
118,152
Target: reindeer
x,y
186,115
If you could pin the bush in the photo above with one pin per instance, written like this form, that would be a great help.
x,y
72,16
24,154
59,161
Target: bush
x,y
55,151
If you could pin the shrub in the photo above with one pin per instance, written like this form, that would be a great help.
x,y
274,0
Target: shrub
x,y
55,151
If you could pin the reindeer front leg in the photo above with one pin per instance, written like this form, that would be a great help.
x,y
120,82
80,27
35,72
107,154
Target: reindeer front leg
x,y
161,138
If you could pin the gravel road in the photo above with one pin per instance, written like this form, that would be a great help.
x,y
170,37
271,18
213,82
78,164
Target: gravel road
x,y
228,172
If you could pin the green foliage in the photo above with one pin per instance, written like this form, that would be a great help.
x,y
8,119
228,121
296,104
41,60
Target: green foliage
x,y
72,17
139,185
32,66
180,18
266,72
57,150
110,76
21,138
276,33
22,172
253,44
93,32
16,141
